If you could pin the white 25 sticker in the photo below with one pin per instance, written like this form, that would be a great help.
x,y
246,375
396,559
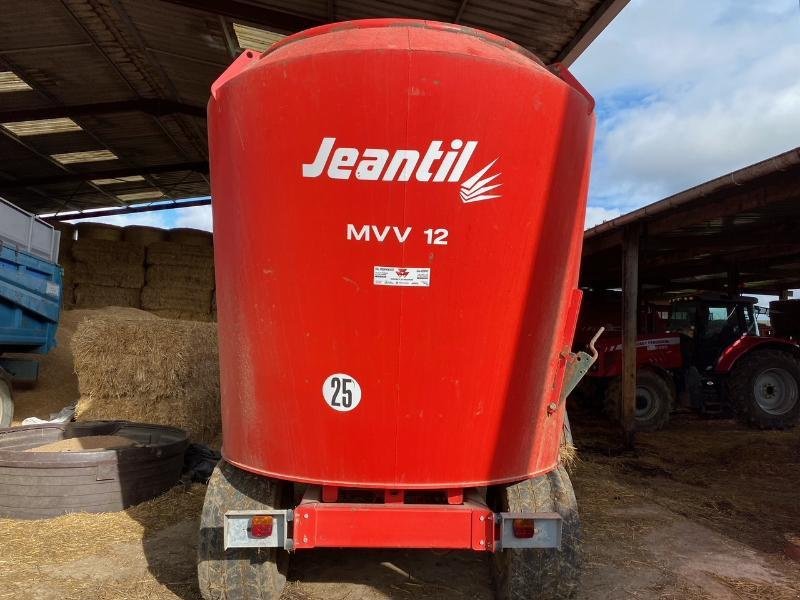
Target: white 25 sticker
x,y
341,392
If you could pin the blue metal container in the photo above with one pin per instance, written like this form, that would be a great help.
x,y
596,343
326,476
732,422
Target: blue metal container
x,y
30,289
30,301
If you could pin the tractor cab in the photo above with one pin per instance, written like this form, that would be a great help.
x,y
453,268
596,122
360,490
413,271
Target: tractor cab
x,y
709,324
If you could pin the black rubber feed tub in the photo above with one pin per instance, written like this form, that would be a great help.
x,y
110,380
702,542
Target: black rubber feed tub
x,y
35,485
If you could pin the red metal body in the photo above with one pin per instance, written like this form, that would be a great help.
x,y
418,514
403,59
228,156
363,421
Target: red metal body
x,y
469,525
660,350
746,344
320,222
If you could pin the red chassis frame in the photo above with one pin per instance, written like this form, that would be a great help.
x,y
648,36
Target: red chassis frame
x,y
321,521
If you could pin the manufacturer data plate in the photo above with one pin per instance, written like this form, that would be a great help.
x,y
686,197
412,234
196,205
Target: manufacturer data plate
x,y
402,276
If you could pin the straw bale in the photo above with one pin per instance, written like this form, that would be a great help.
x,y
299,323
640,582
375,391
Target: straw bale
x,y
143,235
170,253
66,239
104,252
68,281
110,274
190,237
196,300
99,231
156,371
57,385
100,296
181,276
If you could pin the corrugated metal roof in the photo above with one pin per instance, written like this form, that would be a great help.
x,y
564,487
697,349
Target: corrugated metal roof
x,y
744,223
134,76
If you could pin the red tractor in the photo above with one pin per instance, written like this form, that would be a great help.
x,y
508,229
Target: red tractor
x,y
704,352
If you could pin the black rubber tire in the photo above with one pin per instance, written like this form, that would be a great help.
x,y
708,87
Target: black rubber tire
x,y
541,573
660,391
238,574
6,400
741,389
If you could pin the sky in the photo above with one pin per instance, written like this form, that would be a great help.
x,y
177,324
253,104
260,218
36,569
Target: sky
x,y
686,91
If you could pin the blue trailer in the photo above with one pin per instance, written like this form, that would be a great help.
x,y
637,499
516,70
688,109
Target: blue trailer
x,y
30,298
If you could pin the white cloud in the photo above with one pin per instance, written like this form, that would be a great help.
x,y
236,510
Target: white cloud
x,y
151,219
198,217
688,91
597,214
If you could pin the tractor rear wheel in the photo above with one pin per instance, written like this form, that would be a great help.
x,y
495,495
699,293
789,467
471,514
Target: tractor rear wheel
x,y
654,400
6,400
240,573
542,573
764,388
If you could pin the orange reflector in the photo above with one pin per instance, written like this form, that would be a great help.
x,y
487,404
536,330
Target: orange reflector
x,y
261,527
523,528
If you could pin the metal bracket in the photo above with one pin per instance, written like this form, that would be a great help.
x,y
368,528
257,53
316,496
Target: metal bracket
x,y
547,530
579,364
237,522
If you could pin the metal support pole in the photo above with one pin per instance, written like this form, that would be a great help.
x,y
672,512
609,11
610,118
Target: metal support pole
x,y
630,303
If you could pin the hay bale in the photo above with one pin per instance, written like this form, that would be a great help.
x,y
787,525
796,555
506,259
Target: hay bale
x,y
100,296
178,276
57,385
195,300
156,371
68,281
110,274
190,237
143,235
101,262
104,252
99,231
66,239
179,255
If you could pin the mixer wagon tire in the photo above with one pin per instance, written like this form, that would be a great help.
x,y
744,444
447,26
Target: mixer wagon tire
x,y
6,400
536,573
239,574
655,398
764,389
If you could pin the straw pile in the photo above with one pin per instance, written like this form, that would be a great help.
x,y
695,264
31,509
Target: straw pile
x,y
156,371
107,273
180,279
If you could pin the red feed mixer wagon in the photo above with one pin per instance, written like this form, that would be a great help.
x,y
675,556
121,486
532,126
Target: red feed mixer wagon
x,y
398,216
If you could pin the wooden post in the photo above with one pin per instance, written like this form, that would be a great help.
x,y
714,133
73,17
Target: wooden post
x,y
630,310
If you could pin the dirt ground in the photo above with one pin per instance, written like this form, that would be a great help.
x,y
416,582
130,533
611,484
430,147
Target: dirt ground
x,y
698,512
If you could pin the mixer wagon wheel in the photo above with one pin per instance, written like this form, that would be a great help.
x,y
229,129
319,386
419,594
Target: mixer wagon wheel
x,y
239,574
546,574
6,400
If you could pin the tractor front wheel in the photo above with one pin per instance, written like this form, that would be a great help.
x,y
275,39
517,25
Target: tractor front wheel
x,y
542,573
764,389
240,573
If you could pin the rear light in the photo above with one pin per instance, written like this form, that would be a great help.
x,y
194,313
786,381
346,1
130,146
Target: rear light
x,y
261,527
523,528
